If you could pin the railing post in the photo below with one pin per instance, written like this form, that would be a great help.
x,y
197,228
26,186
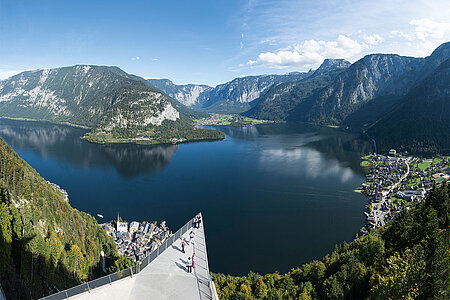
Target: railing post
x,y
109,277
131,271
67,296
89,289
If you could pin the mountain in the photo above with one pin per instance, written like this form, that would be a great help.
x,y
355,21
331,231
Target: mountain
x,y
376,75
330,65
119,106
239,94
421,121
232,97
277,103
367,90
188,94
45,244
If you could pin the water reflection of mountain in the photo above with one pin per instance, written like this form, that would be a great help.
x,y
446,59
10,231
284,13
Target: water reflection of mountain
x,y
64,143
342,147
130,160
332,143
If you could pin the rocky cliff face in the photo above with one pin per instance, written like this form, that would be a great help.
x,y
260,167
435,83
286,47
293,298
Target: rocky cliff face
x,y
188,94
231,97
421,121
279,100
372,76
235,96
78,94
138,107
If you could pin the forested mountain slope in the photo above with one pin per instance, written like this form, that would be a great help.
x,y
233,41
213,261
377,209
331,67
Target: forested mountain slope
x,y
421,122
278,102
45,244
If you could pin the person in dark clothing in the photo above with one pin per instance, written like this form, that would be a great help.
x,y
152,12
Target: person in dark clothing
x,y
183,244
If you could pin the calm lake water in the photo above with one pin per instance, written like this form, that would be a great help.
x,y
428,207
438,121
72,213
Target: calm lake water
x,y
273,197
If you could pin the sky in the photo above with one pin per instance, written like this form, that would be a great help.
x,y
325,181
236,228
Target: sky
x,y
211,42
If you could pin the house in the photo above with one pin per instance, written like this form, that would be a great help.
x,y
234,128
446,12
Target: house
x,y
134,226
146,228
122,227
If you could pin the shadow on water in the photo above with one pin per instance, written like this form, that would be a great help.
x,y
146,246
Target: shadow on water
x,y
63,142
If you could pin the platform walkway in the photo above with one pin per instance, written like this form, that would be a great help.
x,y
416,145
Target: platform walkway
x,y
166,277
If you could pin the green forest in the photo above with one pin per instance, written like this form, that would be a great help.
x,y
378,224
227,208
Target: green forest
x,y
408,258
45,244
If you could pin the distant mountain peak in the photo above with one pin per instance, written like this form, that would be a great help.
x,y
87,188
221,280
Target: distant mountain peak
x,y
334,63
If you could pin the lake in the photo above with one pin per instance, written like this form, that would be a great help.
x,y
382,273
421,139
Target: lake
x,y
273,196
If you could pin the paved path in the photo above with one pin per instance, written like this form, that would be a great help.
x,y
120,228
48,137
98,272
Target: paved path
x,y
164,278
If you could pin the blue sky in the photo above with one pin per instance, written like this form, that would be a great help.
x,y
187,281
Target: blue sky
x,y
213,41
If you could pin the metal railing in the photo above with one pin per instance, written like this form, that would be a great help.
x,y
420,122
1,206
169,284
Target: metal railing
x,y
130,272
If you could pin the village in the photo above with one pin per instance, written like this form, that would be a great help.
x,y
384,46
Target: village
x,y
397,181
135,239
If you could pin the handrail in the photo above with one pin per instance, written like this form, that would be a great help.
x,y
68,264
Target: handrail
x,y
110,278
212,286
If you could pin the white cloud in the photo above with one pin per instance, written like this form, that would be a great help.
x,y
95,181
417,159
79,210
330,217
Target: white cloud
x,y
311,52
397,33
423,36
155,59
373,39
426,28
135,58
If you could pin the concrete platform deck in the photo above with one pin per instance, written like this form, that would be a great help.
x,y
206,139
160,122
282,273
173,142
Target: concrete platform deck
x,y
164,278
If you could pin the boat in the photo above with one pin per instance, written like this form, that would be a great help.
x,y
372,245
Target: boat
x,y
100,216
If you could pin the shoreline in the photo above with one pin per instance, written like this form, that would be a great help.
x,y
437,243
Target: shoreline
x,y
47,121
394,182
84,137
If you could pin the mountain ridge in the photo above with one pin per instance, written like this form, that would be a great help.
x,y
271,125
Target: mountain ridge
x,y
86,95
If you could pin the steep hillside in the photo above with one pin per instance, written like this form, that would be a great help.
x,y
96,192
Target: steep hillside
x,y
144,115
277,103
237,95
421,122
188,94
78,94
45,244
376,75
94,96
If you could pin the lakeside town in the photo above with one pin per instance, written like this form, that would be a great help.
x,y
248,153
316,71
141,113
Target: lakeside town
x,y
230,120
396,181
135,239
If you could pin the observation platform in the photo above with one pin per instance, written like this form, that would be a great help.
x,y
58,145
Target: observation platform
x,y
165,277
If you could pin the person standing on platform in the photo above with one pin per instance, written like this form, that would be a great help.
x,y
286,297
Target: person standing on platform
x,y
189,265
183,244
191,237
